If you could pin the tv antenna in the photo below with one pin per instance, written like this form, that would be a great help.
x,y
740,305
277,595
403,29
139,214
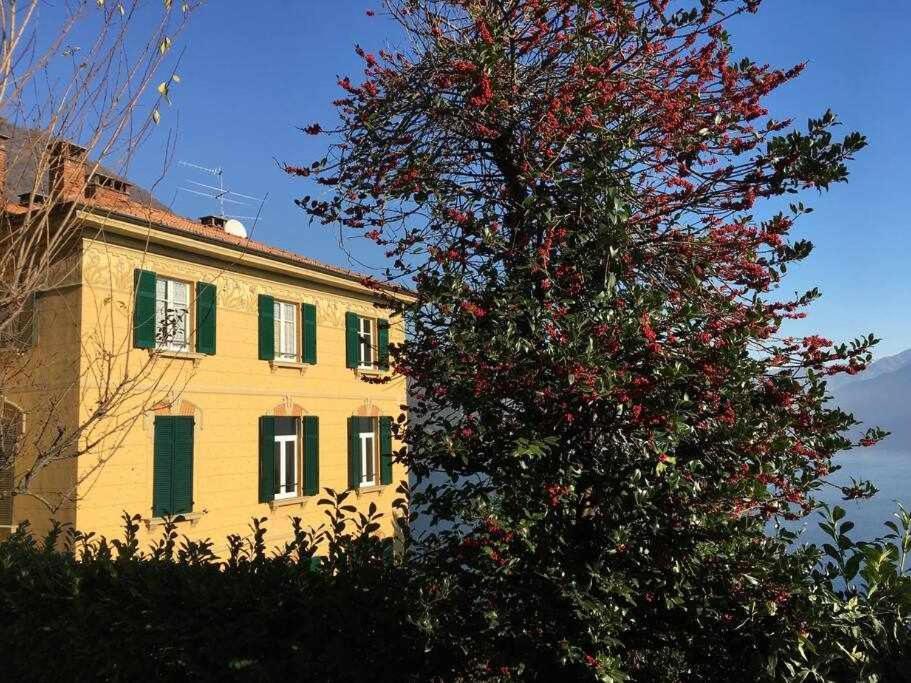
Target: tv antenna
x,y
221,194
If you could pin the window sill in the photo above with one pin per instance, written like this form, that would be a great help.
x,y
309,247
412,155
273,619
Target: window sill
x,y
191,517
288,502
178,355
288,364
378,488
370,372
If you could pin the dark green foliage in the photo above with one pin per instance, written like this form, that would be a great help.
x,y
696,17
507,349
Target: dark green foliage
x,y
105,610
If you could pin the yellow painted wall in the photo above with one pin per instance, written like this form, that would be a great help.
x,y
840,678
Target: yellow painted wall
x,y
43,382
226,393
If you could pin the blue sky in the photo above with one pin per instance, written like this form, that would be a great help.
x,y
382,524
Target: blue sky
x,y
252,72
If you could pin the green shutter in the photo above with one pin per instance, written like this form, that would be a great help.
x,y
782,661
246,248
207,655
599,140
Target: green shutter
x,y
163,467
182,486
266,459
385,450
205,318
311,455
144,309
354,455
308,315
352,341
382,343
266,327
6,496
172,479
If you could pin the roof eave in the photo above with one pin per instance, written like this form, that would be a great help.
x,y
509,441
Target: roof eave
x,y
146,230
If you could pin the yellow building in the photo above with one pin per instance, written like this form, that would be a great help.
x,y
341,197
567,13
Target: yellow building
x,y
195,373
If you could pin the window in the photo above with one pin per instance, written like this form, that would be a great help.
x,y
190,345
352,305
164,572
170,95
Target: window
x,y
365,330
172,479
368,458
366,342
369,452
285,460
161,314
288,457
172,314
285,322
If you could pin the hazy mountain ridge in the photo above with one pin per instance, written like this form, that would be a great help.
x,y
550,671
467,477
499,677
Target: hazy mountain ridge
x,y
880,397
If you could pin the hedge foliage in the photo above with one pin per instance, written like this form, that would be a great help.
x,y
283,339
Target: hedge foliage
x,y
76,606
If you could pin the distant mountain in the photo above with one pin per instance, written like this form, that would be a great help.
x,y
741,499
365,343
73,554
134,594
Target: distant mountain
x,y
883,366
881,397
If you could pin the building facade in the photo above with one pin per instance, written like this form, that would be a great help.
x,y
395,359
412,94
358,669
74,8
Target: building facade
x,y
201,376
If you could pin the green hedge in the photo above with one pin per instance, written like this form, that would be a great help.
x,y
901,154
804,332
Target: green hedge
x,y
78,607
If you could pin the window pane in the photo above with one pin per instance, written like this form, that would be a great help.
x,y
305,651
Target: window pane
x,y
289,338
277,472
368,458
181,293
180,327
161,308
290,474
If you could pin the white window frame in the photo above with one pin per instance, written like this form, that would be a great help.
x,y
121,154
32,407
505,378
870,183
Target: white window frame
x,y
281,440
286,340
170,303
367,441
366,334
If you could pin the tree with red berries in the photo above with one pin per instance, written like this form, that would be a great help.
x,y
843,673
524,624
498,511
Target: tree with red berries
x,y
607,414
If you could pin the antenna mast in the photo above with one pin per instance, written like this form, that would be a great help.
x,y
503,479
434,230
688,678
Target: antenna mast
x,y
219,192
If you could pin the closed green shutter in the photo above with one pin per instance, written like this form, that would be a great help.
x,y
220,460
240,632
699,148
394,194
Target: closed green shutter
x,y
6,497
205,318
352,340
354,453
382,343
266,327
182,488
10,435
163,467
311,455
144,309
172,478
308,315
266,459
385,450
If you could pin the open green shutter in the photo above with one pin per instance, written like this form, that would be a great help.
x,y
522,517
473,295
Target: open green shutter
x,y
205,318
308,315
354,455
182,474
163,467
266,327
382,343
266,459
144,309
352,340
385,450
311,455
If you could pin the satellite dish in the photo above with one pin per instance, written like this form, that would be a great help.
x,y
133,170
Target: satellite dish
x,y
235,227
